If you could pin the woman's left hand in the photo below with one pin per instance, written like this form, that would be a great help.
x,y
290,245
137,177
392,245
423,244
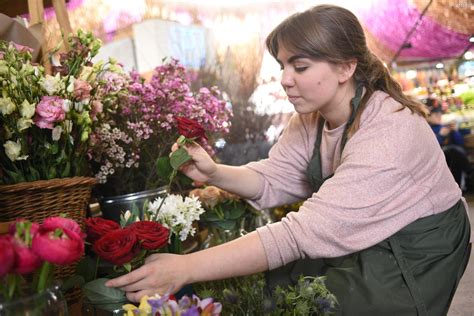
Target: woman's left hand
x,y
161,273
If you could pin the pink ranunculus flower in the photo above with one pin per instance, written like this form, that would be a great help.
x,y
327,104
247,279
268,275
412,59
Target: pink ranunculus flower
x,y
26,260
7,255
82,89
51,223
58,245
48,111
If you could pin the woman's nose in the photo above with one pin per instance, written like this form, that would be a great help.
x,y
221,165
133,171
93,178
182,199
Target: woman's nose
x,y
287,80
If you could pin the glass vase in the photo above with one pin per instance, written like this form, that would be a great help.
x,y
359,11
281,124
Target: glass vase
x,y
48,302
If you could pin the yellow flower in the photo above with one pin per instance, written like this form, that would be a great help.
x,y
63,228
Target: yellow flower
x,y
130,308
6,106
27,110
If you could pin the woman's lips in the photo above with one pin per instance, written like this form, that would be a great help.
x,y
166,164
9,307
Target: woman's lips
x,y
293,98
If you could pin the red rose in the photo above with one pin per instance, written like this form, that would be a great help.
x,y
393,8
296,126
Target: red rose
x,y
7,255
97,227
152,235
190,128
118,246
59,241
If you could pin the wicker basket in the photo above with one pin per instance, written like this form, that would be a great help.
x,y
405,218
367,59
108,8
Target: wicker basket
x,y
38,200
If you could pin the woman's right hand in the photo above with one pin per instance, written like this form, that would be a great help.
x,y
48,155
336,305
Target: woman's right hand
x,y
201,168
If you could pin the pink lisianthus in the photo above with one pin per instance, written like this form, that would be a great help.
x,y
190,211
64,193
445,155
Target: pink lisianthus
x,y
97,107
82,89
58,242
7,255
48,111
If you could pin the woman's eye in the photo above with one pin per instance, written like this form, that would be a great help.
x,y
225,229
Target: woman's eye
x,y
301,68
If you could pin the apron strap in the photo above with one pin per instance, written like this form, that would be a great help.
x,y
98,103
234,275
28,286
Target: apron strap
x,y
408,276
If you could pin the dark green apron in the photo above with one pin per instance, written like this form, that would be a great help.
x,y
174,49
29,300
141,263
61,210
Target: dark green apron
x,y
414,272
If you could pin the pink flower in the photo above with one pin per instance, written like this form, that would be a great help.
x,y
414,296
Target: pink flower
x,y
21,48
97,107
12,229
82,89
26,260
48,111
51,223
7,255
59,241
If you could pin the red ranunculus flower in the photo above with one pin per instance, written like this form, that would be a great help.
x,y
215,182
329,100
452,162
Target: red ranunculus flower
x,y
118,246
7,255
59,245
96,227
152,235
190,128
26,259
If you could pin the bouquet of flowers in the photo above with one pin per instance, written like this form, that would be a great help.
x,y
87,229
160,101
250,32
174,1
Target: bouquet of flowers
x,y
30,248
168,305
46,120
133,142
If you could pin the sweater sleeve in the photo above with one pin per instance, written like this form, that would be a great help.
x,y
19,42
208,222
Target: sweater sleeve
x,y
387,173
284,172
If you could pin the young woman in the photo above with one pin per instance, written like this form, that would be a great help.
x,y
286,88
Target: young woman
x,y
383,217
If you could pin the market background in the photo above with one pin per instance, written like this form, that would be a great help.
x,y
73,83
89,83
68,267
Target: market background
x,y
427,45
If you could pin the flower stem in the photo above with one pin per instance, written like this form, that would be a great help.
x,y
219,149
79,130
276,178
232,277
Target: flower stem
x,y
44,276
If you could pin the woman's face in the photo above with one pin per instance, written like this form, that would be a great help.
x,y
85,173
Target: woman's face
x,y
311,85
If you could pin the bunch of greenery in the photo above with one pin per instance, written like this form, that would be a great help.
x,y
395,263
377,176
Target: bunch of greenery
x,y
248,296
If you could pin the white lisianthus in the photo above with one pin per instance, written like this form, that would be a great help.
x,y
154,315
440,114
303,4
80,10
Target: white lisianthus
x,y
13,150
67,104
7,106
23,123
87,74
68,126
51,84
177,214
56,132
70,87
27,110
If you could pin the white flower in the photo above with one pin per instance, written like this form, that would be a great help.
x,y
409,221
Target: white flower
x,y
70,87
27,110
6,106
87,74
177,214
13,150
23,123
51,84
56,132
68,126
67,105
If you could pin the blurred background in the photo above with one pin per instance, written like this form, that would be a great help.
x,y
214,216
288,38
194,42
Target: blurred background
x,y
428,46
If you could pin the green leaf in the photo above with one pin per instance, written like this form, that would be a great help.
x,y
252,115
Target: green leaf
x,y
54,148
97,292
86,268
17,177
179,157
67,170
52,173
226,224
35,175
163,167
128,266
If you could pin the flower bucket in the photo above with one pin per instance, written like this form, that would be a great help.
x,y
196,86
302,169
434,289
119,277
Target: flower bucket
x,y
38,200
113,206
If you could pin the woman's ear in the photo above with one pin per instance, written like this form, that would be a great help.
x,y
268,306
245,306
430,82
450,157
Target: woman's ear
x,y
346,70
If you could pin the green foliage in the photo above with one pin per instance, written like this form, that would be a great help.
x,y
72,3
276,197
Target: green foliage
x,y
246,296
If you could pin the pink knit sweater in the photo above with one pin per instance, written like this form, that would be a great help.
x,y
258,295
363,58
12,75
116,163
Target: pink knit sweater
x,y
391,173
